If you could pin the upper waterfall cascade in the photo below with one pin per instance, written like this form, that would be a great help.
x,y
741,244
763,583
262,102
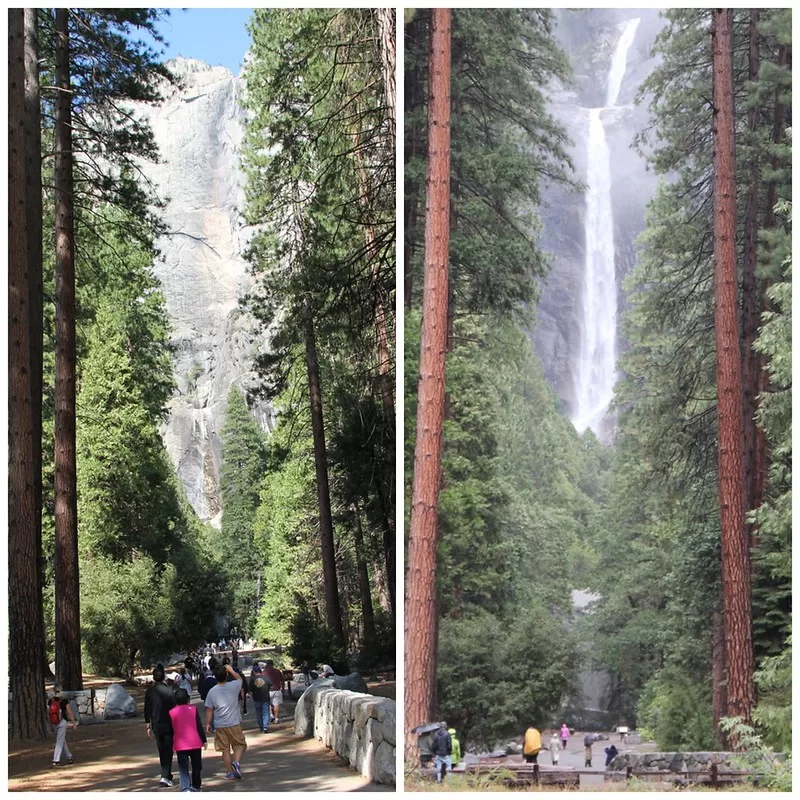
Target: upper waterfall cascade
x,y
595,366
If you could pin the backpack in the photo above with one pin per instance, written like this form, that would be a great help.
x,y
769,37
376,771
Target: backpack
x,y
54,710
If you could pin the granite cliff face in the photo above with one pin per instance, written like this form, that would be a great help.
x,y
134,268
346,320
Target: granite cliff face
x,y
198,129
589,38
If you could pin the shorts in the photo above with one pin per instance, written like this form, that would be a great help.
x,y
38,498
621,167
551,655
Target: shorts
x,y
227,739
275,698
532,758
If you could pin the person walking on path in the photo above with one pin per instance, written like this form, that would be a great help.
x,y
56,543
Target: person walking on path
x,y
259,687
59,713
275,677
455,756
223,703
159,699
532,745
555,749
189,741
442,749
564,735
588,741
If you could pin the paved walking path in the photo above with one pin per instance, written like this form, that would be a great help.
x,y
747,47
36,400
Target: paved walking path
x,y
118,756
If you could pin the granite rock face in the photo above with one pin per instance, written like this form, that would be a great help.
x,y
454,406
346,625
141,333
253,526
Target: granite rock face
x,y
198,129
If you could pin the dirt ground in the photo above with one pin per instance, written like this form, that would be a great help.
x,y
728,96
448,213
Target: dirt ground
x,y
118,756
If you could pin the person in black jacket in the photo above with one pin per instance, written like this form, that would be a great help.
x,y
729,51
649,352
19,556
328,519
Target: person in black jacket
x,y
158,700
442,747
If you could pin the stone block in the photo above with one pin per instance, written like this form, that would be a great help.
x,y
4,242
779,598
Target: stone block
x,y
389,723
383,764
374,732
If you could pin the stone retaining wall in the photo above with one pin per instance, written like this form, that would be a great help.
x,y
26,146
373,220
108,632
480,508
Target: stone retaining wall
x,y
654,763
360,728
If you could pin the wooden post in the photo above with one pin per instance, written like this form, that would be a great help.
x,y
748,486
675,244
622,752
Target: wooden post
x,y
536,773
714,781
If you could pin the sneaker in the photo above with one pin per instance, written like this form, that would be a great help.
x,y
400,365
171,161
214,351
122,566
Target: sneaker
x,y
230,776
237,769
70,761
165,782
56,764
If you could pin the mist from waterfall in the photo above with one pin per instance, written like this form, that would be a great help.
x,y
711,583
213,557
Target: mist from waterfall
x,y
595,373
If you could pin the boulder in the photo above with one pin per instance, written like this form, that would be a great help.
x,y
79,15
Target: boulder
x,y
119,703
352,682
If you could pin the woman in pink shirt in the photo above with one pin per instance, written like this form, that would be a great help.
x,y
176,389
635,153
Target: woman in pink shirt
x,y
188,740
564,735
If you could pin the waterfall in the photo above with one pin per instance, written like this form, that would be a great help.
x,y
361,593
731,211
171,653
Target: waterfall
x,y
595,373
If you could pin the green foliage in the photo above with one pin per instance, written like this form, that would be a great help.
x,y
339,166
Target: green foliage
x,y
677,712
320,169
773,713
774,769
659,572
497,676
124,614
146,584
504,142
243,465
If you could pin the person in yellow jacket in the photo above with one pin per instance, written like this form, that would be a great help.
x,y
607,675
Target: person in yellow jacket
x,y
455,756
532,745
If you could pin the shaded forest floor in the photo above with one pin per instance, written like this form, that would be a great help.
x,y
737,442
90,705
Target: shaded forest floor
x,y
118,756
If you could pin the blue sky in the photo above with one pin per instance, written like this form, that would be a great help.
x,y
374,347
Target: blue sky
x,y
214,35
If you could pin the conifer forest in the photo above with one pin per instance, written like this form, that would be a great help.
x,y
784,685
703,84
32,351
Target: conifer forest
x,y
597,358
591,307
159,500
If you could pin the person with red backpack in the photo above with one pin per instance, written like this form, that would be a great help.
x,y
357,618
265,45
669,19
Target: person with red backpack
x,y
59,712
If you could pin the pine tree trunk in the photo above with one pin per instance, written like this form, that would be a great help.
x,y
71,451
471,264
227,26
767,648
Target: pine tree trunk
x,y
420,607
332,608
25,628
370,634
735,554
33,191
750,300
67,585
388,47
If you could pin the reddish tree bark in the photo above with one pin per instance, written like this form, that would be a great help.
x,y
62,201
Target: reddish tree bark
x,y
735,553
420,607
25,629
67,584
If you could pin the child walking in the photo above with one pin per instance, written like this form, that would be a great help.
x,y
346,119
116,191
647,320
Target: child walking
x,y
555,749
189,739
60,713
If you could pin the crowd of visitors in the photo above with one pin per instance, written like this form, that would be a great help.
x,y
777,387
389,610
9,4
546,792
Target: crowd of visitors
x,y
177,727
